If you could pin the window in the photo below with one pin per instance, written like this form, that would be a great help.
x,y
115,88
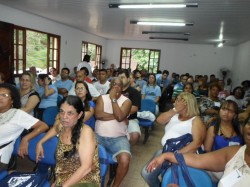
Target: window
x,y
95,51
34,48
148,59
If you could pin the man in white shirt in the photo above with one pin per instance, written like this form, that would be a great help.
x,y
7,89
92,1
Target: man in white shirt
x,y
102,85
80,76
85,63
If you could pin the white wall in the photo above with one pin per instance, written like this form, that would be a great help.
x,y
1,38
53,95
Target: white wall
x,y
71,39
241,65
180,58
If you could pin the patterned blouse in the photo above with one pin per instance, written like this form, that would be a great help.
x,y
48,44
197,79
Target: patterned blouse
x,y
65,167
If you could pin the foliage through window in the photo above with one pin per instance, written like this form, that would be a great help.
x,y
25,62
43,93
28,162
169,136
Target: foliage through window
x,y
148,59
33,48
95,51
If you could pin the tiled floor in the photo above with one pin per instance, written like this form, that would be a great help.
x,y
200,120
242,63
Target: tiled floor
x,y
141,154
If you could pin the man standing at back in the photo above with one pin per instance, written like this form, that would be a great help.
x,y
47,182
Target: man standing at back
x,y
85,63
135,97
111,115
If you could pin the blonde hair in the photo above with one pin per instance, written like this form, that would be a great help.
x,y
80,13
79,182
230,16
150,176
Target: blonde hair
x,y
32,78
192,105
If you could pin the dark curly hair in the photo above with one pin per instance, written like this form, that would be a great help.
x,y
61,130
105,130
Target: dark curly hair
x,y
77,104
14,93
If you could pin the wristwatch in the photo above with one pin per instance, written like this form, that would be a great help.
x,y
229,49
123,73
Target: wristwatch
x,y
114,100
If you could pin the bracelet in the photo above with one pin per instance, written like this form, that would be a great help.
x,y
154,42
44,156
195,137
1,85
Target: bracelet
x,y
174,109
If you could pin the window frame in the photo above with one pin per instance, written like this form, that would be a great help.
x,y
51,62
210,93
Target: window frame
x,y
98,52
150,58
54,60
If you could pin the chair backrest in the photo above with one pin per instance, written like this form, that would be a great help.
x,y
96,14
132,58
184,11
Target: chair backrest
x,y
104,163
49,115
199,177
16,146
148,105
49,148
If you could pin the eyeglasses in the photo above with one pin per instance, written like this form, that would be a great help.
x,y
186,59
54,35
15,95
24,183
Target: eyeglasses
x,y
70,113
80,89
4,95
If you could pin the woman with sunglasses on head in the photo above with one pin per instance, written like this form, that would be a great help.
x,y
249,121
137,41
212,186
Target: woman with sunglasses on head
x,y
182,119
12,123
234,161
82,91
77,161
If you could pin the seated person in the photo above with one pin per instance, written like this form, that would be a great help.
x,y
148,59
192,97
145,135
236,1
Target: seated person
x,y
139,80
188,87
111,126
152,91
77,160
82,91
48,94
178,87
238,95
209,106
29,97
12,123
234,161
65,84
182,119
225,130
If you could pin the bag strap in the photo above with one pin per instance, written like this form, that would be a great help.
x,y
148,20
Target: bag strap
x,y
4,145
181,162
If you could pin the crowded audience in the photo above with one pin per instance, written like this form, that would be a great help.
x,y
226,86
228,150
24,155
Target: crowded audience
x,y
100,107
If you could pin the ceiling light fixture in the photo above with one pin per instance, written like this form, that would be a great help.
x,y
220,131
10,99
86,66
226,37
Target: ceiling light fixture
x,y
182,39
161,23
163,32
221,43
145,6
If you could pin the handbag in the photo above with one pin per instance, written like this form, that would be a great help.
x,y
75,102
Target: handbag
x,y
182,164
173,145
17,179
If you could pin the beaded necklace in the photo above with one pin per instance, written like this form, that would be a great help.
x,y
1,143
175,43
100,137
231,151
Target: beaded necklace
x,y
7,116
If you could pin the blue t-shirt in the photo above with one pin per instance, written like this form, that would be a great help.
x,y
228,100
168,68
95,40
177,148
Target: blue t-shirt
x,y
63,84
91,121
221,141
50,100
151,92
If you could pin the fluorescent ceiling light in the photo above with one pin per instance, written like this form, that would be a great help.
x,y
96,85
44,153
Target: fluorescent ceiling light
x,y
182,39
220,44
143,6
161,23
163,32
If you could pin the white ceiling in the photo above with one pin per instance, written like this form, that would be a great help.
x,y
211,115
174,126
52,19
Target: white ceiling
x,y
231,17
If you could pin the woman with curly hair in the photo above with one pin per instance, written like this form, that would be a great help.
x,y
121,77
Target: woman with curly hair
x,y
77,152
